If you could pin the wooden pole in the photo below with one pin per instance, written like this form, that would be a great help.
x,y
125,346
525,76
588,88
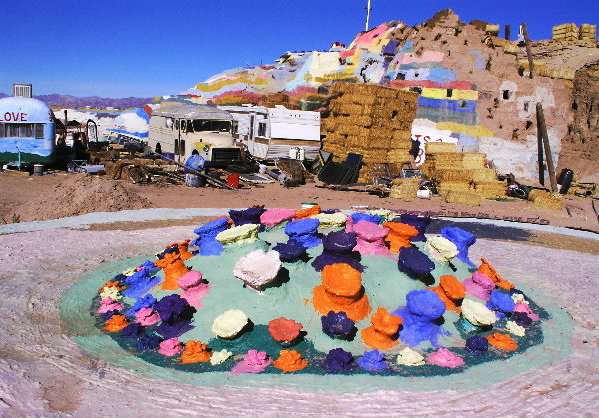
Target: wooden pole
x,y
547,147
507,32
540,152
528,52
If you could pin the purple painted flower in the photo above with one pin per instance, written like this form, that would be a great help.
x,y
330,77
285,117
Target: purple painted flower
x,y
338,325
338,360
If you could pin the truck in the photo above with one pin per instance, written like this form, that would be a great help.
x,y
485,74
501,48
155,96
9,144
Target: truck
x,y
271,133
177,129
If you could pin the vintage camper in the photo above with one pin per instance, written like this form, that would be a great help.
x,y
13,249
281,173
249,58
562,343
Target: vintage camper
x,y
26,130
179,128
270,133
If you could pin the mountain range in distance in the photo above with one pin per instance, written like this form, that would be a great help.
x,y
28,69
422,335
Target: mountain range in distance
x,y
95,102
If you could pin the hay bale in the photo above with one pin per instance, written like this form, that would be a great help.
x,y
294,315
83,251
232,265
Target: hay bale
x,y
452,175
445,187
436,147
490,190
404,189
463,198
546,200
473,160
483,175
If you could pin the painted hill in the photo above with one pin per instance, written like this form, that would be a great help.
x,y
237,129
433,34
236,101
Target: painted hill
x,y
474,87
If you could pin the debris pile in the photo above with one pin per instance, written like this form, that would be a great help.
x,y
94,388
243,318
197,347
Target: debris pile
x,y
372,121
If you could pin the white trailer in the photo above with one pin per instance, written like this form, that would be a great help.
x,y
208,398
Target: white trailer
x,y
271,133
180,128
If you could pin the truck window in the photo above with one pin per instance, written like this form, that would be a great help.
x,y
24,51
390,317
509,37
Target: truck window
x,y
2,129
200,125
262,129
39,131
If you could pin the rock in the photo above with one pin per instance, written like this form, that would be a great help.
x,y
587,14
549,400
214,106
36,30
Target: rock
x,y
230,323
258,268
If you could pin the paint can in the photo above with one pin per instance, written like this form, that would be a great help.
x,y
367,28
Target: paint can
x,y
233,180
38,169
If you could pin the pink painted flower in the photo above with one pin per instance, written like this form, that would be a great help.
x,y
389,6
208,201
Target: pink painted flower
x,y
147,316
445,358
108,305
253,362
523,307
170,347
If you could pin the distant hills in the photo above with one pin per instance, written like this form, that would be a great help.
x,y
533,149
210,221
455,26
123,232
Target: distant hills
x,y
73,102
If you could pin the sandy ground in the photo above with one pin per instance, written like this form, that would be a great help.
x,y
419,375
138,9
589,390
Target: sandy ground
x,y
43,373
18,191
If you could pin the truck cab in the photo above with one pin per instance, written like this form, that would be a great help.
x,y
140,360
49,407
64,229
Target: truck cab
x,y
180,128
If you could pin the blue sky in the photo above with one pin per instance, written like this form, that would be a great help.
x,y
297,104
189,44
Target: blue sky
x,y
122,48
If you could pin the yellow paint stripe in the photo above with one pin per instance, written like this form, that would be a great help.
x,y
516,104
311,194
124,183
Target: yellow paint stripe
x,y
470,130
433,93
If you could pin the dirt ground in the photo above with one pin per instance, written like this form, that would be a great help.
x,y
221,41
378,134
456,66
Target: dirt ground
x,y
27,198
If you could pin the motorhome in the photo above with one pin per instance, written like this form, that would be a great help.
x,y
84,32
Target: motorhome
x,y
179,128
271,133
26,130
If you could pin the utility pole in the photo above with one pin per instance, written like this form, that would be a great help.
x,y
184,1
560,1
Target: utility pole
x,y
368,9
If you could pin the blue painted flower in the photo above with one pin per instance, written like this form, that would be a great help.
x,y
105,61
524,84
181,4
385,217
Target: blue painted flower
x,y
372,361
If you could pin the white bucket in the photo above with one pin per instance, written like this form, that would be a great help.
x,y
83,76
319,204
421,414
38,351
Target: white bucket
x,y
423,194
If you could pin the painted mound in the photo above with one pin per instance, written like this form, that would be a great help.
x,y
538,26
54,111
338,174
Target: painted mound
x,y
296,298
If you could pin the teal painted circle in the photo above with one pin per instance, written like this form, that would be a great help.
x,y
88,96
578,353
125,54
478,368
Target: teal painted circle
x,y
385,286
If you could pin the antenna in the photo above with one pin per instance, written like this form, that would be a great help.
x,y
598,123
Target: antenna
x,y
368,9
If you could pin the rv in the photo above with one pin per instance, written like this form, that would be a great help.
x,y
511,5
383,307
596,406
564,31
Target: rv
x,y
271,133
179,128
26,130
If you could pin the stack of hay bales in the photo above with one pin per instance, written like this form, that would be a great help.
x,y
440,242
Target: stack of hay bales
x,y
370,120
567,32
588,32
461,176
545,200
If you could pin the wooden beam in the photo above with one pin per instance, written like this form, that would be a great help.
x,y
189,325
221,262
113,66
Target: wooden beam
x,y
540,152
543,128
507,32
528,52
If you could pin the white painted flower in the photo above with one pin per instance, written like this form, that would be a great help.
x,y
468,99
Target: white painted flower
x,y
519,298
515,329
441,249
229,323
110,292
258,268
129,272
329,220
410,357
219,357
242,234
477,313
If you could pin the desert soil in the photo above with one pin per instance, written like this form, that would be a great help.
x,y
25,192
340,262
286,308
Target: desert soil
x,y
27,198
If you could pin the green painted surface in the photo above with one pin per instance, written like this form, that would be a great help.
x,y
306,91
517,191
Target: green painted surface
x,y
385,286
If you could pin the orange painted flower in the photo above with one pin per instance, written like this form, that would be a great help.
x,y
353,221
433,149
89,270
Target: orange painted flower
x,y
453,288
341,291
290,361
173,268
195,352
307,212
382,335
284,330
112,283
399,235
488,270
502,342
116,323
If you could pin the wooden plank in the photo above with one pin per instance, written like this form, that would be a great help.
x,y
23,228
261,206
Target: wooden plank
x,y
540,152
528,52
543,128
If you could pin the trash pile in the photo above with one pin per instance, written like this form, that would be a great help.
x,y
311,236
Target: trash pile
x,y
274,291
